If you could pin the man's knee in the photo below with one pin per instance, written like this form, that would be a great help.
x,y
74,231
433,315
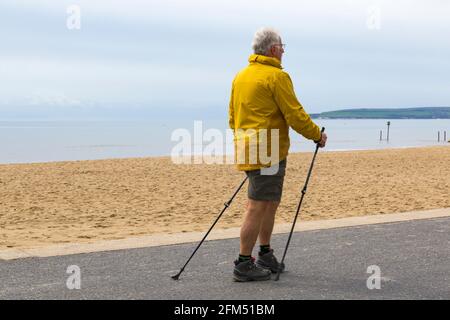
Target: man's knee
x,y
262,207
257,205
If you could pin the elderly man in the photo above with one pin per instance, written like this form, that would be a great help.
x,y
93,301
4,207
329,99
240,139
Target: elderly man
x,y
263,98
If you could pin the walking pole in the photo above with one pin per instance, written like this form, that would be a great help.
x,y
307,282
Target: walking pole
x,y
298,210
227,204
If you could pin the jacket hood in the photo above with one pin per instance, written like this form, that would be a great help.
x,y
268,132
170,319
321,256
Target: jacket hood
x,y
265,60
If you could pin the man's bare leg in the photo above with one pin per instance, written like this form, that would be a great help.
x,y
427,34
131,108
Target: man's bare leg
x,y
254,217
268,221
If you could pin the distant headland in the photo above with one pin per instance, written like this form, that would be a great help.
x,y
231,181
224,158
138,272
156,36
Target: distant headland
x,y
391,113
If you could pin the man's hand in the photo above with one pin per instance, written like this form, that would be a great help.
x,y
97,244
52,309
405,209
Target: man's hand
x,y
323,141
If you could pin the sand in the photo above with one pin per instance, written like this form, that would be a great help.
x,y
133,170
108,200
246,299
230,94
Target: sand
x,y
85,201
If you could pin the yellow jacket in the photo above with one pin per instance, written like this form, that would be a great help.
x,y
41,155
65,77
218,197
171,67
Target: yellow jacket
x,y
262,97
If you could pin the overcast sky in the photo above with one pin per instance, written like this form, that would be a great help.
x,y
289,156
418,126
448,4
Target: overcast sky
x,y
161,58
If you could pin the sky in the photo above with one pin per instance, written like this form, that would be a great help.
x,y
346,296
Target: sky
x,y
162,59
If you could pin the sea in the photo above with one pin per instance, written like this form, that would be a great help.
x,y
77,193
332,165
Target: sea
x,y
46,141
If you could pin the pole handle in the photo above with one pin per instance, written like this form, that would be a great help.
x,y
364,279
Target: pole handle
x,y
321,131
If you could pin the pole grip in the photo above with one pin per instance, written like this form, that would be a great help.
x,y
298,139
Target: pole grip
x,y
321,131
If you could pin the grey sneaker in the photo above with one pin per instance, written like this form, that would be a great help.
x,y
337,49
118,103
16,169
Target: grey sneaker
x,y
249,271
268,261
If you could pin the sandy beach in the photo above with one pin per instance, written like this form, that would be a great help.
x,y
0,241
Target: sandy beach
x,y
84,201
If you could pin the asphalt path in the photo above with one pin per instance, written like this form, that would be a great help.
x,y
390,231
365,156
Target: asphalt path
x,y
413,260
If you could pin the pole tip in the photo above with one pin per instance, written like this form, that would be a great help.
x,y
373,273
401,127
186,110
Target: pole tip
x,y
277,276
175,277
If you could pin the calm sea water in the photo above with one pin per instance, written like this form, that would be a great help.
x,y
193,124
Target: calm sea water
x,y
42,141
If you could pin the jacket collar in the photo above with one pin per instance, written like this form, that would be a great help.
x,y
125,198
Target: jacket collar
x,y
258,58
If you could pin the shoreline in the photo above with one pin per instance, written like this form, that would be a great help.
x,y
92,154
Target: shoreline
x,y
168,156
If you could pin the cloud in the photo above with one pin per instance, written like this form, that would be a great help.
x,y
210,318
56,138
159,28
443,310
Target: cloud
x,y
53,99
245,12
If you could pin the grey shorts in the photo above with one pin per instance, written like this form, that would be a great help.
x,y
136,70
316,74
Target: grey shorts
x,y
267,187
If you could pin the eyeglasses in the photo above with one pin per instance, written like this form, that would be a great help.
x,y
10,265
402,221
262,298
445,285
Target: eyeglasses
x,y
283,45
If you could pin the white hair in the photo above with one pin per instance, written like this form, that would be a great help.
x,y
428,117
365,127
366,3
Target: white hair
x,y
265,38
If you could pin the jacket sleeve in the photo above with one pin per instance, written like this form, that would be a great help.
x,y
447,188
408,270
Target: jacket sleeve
x,y
231,109
296,117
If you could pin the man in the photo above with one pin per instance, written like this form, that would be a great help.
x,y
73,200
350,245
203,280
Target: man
x,y
263,98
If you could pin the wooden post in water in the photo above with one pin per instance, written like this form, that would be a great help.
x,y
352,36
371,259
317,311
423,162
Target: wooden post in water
x,y
381,135
388,124
439,136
